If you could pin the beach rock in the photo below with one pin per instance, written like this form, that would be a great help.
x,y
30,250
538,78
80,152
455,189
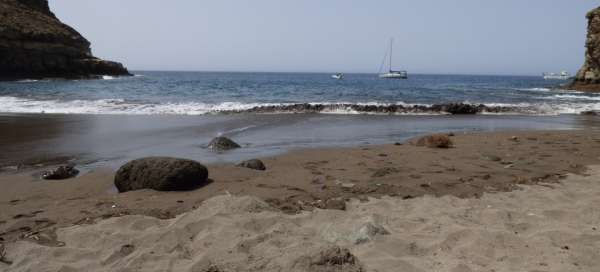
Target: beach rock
x,y
434,141
588,77
253,164
161,174
459,108
36,44
222,144
589,113
62,172
335,259
452,108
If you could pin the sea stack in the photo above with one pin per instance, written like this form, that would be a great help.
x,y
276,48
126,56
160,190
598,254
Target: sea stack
x,y
36,44
588,77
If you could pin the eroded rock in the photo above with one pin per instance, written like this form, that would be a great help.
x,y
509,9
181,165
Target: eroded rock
x,y
222,144
161,174
61,172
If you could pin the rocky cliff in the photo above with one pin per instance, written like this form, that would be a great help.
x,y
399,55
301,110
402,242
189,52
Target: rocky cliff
x,y
35,44
588,77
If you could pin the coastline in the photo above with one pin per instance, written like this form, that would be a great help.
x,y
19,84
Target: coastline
x,y
301,180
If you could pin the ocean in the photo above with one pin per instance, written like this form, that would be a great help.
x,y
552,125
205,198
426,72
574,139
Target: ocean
x,y
197,93
108,121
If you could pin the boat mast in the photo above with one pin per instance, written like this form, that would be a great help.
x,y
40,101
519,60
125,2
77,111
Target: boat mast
x,y
391,52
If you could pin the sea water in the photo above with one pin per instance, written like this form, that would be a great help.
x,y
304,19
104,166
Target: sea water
x,y
112,120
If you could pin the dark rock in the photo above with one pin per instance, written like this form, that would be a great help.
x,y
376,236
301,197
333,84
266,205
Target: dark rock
x,y
589,113
459,108
161,174
253,164
35,44
335,259
62,172
222,144
453,108
434,141
588,77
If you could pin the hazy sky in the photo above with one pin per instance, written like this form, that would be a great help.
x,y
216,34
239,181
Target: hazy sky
x,y
432,36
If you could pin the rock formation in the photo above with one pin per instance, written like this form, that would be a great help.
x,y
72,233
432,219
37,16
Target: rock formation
x,y
35,44
588,77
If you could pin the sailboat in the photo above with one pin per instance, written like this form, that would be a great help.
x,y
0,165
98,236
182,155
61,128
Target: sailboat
x,y
391,74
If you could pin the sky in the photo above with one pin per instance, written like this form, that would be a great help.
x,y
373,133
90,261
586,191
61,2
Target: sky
x,y
507,37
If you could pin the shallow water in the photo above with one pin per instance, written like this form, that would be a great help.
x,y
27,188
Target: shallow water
x,y
110,140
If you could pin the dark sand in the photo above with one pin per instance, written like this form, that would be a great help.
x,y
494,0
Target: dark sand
x,y
487,162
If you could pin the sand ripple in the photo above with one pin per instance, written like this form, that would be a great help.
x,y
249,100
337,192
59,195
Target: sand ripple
x,y
535,229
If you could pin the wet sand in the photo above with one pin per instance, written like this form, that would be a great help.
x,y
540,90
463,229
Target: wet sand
x,y
500,201
302,180
94,141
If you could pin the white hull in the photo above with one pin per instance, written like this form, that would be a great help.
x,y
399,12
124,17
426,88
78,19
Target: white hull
x,y
394,75
337,77
556,77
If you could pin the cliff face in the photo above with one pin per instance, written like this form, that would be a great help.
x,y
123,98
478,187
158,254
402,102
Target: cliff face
x,y
588,77
35,44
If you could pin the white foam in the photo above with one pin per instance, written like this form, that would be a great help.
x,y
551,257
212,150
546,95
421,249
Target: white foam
x,y
108,77
574,97
534,89
28,80
10,104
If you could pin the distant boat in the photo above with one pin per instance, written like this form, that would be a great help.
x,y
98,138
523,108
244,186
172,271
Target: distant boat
x,y
391,74
338,76
564,75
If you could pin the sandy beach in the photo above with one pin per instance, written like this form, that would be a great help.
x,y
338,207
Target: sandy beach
x,y
482,205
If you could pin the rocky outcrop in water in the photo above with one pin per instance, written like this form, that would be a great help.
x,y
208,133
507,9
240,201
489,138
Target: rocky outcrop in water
x,y
588,77
448,108
35,44
222,144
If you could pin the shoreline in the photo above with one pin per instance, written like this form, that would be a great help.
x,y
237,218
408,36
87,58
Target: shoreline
x,y
302,180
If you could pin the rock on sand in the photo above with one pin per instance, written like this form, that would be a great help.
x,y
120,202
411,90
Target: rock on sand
x,y
222,144
253,164
162,174
434,141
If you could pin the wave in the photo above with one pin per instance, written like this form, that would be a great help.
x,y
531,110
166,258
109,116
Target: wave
x,y
534,89
574,97
124,107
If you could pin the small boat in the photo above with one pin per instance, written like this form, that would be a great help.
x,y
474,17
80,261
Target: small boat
x,y
391,74
338,76
564,75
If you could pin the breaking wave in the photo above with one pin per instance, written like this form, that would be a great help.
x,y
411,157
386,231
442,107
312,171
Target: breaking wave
x,y
10,104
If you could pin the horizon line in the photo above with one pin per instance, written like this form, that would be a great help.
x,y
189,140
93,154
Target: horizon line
x,y
329,72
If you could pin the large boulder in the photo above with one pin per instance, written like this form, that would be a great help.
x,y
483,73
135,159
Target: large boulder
x,y
161,174
36,44
253,164
222,144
